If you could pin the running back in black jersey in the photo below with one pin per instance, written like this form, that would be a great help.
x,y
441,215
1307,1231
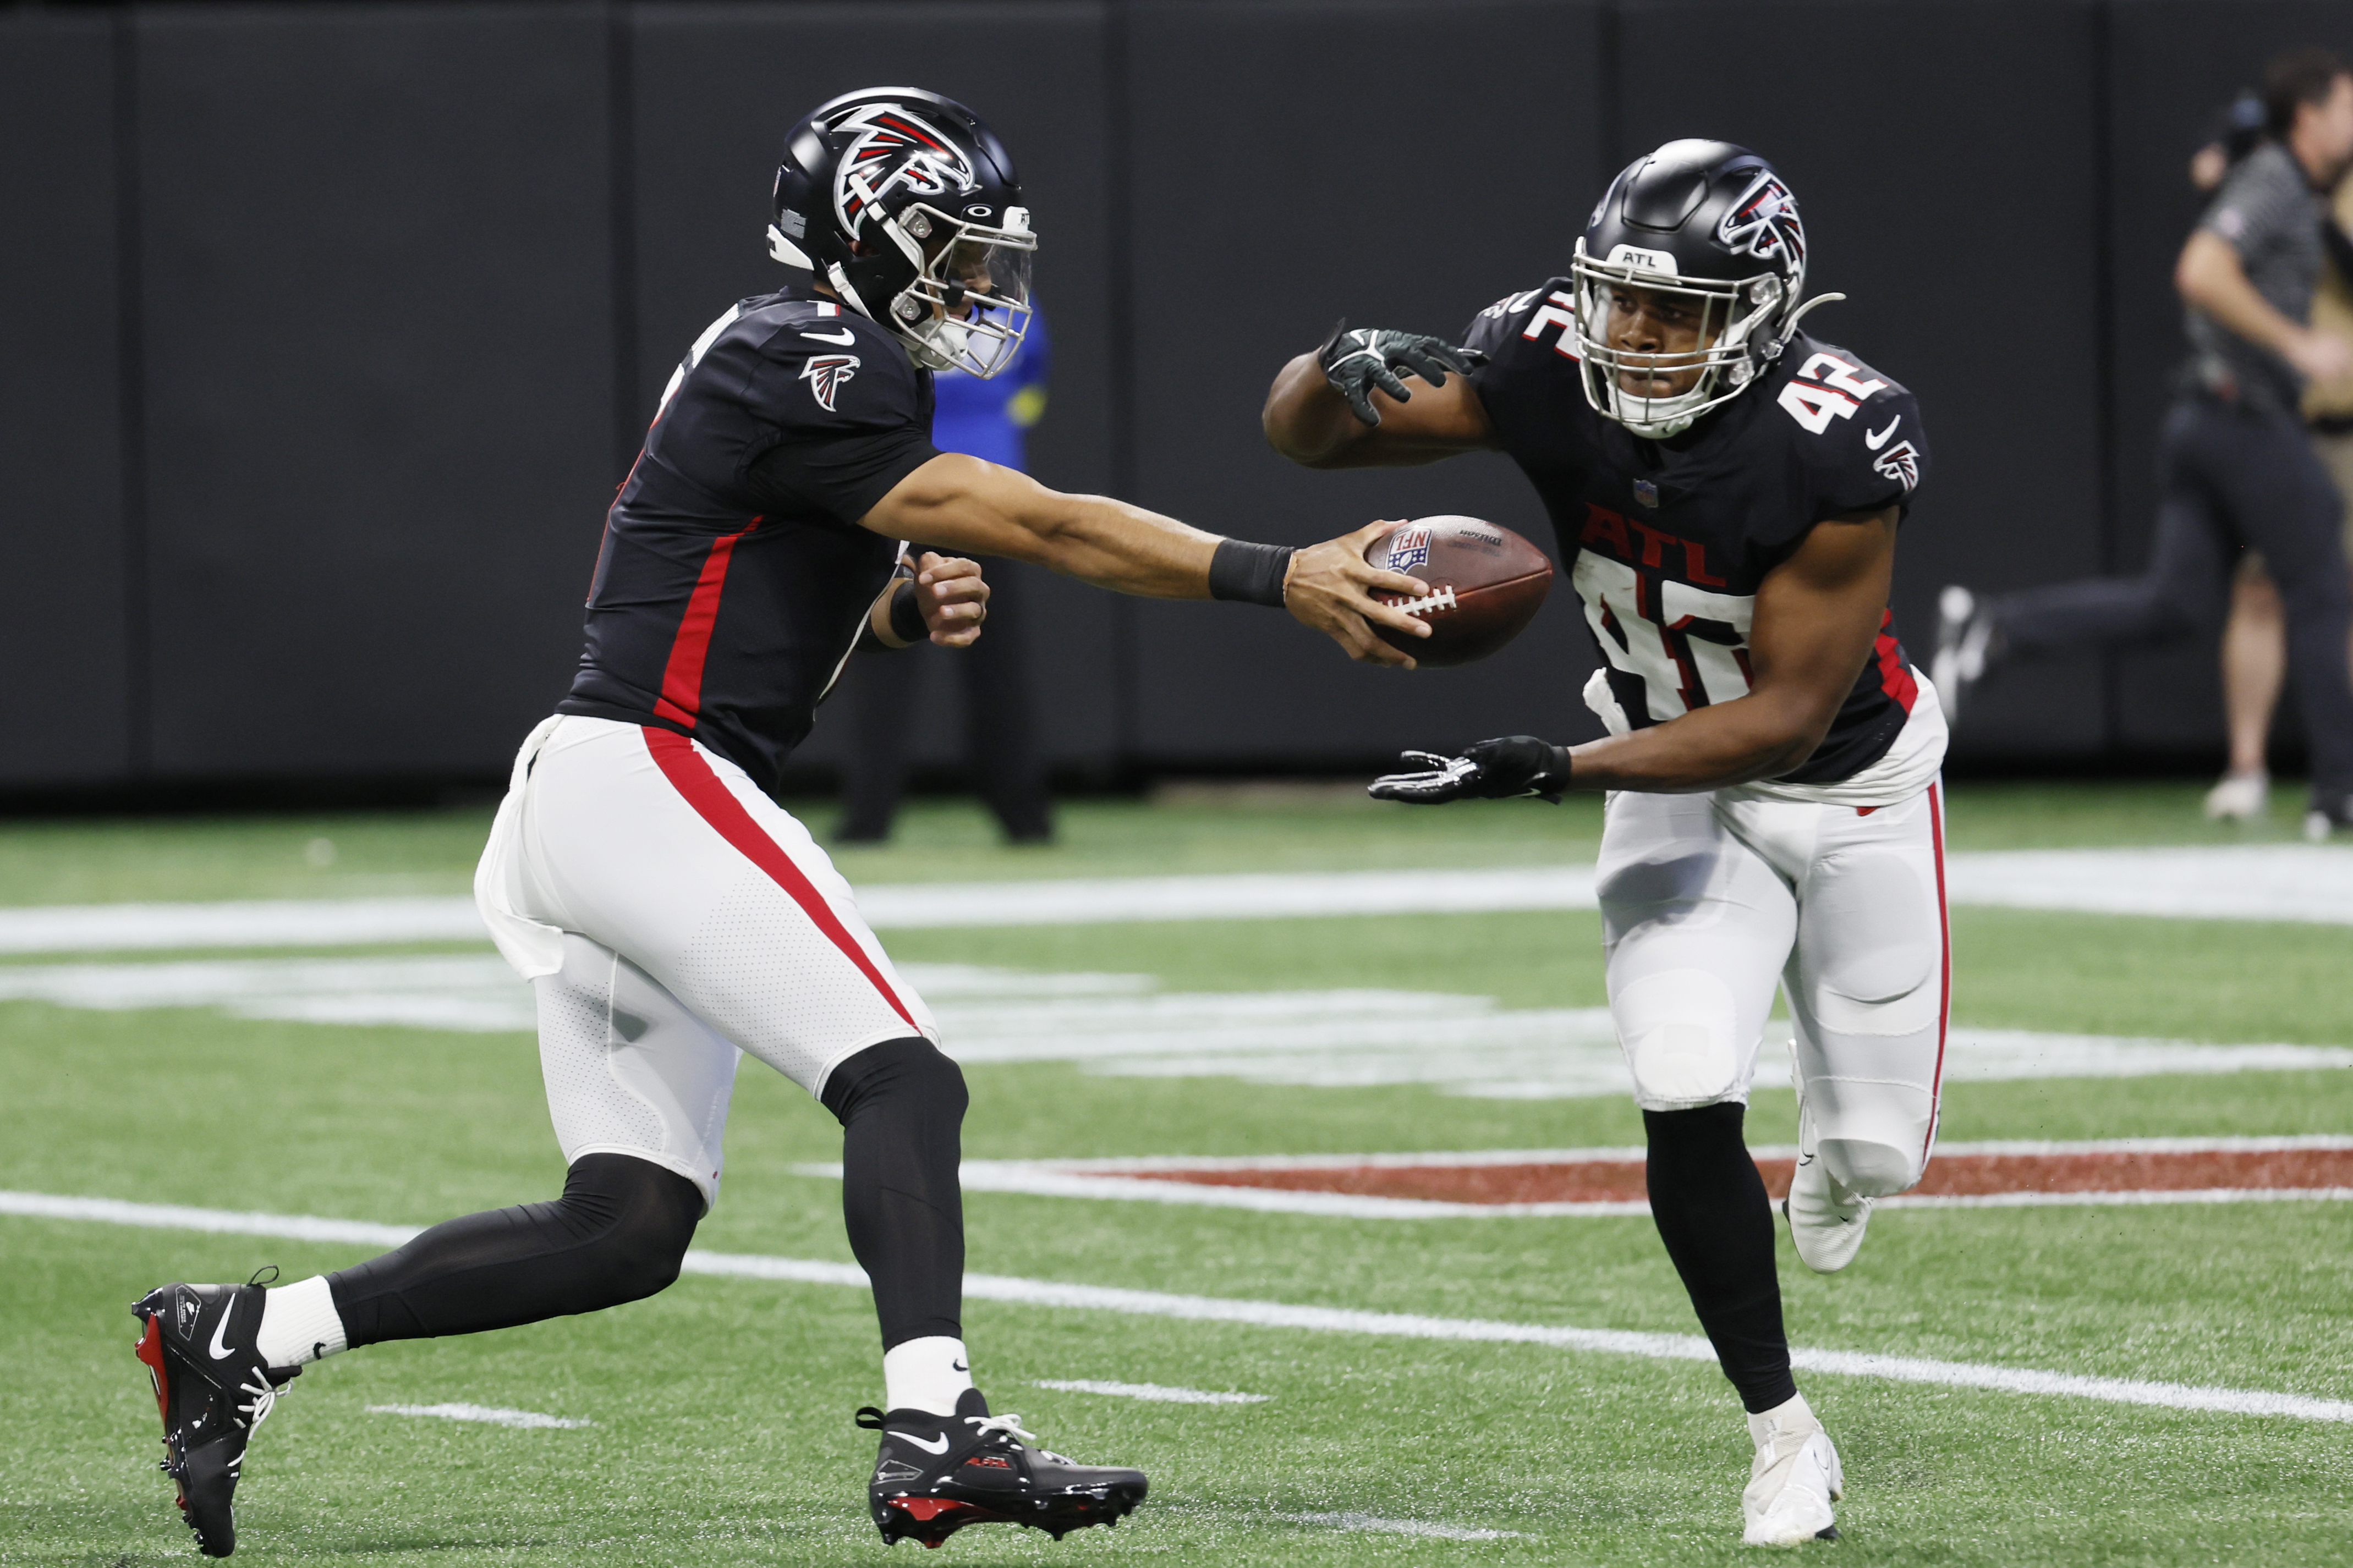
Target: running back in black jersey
x,y
1668,541
733,579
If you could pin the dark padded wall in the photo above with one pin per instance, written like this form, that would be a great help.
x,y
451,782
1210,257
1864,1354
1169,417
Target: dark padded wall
x,y
64,633
1295,163
400,313
716,88
2176,64
379,360
1991,123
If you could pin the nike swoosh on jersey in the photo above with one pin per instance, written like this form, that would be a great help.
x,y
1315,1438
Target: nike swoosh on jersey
x,y
219,1347
847,336
1875,439
936,1446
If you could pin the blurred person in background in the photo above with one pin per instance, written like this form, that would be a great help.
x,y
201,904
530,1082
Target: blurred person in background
x,y
2254,643
2237,470
988,419
2238,130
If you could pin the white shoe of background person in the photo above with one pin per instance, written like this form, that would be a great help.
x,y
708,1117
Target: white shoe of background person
x,y
1962,636
2328,817
1793,1480
1826,1221
2239,797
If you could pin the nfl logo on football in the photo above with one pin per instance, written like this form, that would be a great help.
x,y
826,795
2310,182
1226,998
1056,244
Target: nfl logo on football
x,y
1408,548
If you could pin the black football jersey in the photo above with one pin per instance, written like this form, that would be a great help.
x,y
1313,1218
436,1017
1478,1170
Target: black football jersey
x,y
1667,541
733,579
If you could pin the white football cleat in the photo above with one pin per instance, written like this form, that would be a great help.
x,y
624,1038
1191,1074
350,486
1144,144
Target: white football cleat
x,y
2239,797
1826,1221
1793,1480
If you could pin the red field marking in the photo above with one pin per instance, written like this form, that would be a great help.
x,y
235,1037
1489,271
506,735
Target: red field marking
x,y
1949,1175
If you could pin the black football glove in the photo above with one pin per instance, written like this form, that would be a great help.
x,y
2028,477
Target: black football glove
x,y
1354,363
1514,767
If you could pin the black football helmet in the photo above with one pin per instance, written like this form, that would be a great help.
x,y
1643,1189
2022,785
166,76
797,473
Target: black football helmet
x,y
907,207
1714,225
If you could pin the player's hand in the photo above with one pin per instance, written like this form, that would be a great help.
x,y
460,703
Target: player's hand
x,y
1329,587
1514,767
952,598
2321,356
1357,362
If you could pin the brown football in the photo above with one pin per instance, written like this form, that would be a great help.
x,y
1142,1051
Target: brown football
x,y
1486,584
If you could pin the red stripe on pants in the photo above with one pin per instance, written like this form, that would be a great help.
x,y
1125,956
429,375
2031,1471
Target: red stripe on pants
x,y
692,777
682,692
1944,936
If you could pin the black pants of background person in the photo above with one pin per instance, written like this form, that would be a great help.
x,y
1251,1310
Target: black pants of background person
x,y
1001,731
2230,478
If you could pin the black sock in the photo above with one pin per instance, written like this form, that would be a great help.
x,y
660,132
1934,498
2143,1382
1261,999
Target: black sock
x,y
614,1236
902,1105
1712,1211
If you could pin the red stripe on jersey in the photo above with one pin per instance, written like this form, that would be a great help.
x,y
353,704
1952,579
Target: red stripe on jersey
x,y
1944,975
1894,678
682,692
691,777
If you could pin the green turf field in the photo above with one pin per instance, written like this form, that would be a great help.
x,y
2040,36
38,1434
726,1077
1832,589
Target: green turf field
x,y
719,1411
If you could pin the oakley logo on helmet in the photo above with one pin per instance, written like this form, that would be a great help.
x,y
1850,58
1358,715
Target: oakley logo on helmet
x,y
1764,223
825,375
894,150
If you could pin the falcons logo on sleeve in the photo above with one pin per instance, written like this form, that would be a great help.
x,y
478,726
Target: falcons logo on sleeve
x,y
825,373
1901,462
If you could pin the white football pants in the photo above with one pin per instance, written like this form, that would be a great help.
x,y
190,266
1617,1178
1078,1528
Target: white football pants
x,y
671,917
1708,903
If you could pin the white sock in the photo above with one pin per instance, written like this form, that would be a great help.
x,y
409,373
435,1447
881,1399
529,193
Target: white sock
x,y
925,1374
299,1323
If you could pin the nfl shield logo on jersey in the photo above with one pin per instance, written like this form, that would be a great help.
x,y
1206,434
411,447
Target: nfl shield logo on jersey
x,y
826,373
1646,492
1408,548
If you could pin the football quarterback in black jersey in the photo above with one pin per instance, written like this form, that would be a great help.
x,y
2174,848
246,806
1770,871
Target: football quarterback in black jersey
x,y
670,914
1725,491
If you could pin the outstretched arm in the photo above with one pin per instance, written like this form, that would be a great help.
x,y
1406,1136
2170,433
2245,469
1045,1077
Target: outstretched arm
x,y
1377,399
967,505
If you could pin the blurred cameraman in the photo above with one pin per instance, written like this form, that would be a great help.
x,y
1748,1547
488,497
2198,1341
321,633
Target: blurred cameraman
x,y
2236,469
2254,643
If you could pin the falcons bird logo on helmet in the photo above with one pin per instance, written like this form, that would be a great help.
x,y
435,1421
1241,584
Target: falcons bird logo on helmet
x,y
893,149
826,373
1765,219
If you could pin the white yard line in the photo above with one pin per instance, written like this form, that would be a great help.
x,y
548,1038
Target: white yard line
x,y
1030,1179
1157,1393
491,1413
1123,1026
2302,882
1049,1293
1374,1524
1473,1158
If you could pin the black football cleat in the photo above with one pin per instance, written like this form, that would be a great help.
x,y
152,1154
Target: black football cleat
x,y
935,1474
198,1341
